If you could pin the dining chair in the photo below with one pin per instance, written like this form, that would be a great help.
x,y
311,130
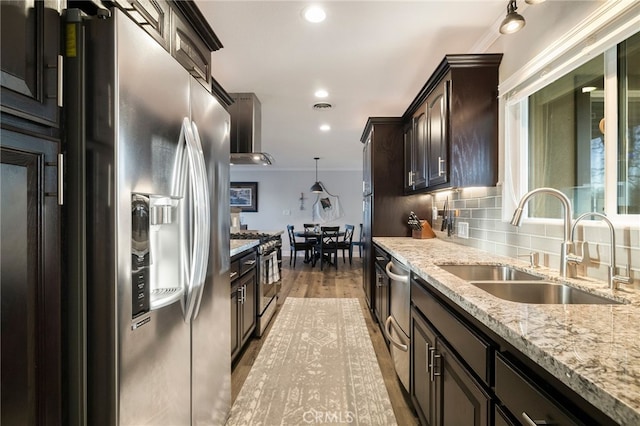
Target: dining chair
x,y
345,243
358,243
327,245
309,231
296,246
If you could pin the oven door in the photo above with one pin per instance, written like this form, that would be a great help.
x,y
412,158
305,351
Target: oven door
x,y
269,276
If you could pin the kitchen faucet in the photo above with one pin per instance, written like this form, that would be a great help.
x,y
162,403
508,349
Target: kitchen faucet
x,y
612,278
516,220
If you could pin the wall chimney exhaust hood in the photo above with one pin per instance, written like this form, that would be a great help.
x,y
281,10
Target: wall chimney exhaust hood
x,y
245,138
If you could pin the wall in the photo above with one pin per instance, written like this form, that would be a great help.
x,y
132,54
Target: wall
x,y
279,193
481,209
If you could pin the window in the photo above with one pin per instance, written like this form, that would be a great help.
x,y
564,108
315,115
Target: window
x,y
629,126
566,142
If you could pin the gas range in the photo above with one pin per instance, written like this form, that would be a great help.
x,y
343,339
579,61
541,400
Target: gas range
x,y
269,267
269,241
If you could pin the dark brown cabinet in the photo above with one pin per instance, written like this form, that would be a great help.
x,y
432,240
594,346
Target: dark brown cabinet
x,y
462,373
459,146
525,400
153,16
243,300
436,134
30,281
181,29
385,208
423,388
31,61
382,289
415,147
443,390
30,217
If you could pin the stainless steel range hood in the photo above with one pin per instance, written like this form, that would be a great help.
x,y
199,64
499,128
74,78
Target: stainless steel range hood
x,y
246,122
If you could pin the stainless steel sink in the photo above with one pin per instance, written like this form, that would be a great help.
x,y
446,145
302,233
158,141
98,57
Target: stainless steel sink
x,y
541,292
488,273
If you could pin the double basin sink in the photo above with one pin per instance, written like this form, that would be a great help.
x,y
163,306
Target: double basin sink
x,y
514,285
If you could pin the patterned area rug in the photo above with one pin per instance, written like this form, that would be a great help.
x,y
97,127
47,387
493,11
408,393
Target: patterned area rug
x,y
316,367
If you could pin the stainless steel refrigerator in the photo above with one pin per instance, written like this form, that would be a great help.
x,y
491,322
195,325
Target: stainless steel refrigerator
x,y
152,183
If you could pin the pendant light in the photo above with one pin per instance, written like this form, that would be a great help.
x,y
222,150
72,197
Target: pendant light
x,y
316,187
513,22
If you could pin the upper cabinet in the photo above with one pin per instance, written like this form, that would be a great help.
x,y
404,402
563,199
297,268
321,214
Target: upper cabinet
x,y
415,148
181,29
451,127
31,61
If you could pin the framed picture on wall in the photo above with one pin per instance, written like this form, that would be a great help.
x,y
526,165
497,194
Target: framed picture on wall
x,y
244,195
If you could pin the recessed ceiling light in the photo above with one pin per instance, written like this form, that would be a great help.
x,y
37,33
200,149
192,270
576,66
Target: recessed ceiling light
x,y
325,127
321,93
314,14
587,89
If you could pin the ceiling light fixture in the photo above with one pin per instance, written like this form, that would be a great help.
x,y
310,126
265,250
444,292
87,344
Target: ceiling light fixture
x,y
314,14
321,93
316,188
513,22
587,89
534,1
325,127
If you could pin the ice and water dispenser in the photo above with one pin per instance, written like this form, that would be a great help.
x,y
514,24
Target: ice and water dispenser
x,y
157,252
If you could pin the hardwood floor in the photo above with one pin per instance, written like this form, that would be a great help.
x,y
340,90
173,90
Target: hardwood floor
x,y
346,281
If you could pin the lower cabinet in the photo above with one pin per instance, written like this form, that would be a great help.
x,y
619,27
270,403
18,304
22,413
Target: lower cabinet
x,y
381,299
443,391
463,374
525,400
243,303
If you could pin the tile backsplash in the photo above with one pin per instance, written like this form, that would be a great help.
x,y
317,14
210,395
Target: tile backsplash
x,y
481,208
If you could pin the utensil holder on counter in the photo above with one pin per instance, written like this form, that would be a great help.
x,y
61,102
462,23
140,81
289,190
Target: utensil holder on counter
x,y
425,232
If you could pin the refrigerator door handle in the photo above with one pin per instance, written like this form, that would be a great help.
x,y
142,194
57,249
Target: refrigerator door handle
x,y
197,232
205,211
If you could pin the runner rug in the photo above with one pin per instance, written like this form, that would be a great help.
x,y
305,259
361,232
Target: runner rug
x,y
317,366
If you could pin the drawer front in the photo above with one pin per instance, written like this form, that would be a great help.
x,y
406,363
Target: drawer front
x,y
382,258
248,262
471,347
524,399
234,270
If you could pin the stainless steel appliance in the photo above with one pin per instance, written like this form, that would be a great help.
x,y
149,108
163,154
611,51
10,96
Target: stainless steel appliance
x,y
269,268
156,305
396,327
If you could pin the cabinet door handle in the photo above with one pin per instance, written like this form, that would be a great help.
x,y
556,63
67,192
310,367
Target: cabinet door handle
x,y
426,358
60,179
530,422
233,275
250,262
432,365
440,168
60,79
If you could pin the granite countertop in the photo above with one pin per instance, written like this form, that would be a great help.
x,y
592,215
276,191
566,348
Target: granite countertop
x,y
593,349
257,231
238,246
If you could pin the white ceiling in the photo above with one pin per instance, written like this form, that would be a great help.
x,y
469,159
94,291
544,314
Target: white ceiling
x,y
371,56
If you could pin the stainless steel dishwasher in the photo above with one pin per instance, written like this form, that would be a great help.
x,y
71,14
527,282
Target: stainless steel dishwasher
x,y
396,327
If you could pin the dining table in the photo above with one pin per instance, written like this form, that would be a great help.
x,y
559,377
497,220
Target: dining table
x,y
308,234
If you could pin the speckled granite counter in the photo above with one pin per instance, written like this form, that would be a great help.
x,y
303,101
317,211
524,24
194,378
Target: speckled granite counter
x,y
593,349
238,246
